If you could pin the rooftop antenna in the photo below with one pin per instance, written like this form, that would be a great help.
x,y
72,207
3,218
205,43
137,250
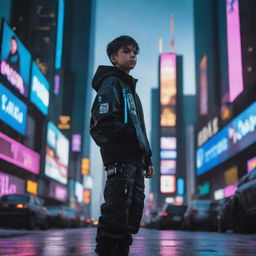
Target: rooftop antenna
x,y
172,33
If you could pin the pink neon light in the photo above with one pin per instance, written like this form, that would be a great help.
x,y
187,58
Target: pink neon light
x,y
13,77
235,72
10,185
15,153
168,88
229,190
60,192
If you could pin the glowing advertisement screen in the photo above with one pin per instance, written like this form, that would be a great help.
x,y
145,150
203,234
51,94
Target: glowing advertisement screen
x,y
39,92
17,154
15,61
230,190
203,86
251,164
79,191
168,154
12,110
233,138
235,71
167,166
168,79
167,183
168,116
11,185
167,143
58,191
57,154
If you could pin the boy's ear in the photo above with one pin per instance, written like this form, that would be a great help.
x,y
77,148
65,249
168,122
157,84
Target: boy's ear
x,y
113,60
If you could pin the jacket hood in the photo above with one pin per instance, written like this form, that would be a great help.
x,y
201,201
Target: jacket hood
x,y
105,71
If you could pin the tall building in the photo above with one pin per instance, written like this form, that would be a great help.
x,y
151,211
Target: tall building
x,y
225,60
57,53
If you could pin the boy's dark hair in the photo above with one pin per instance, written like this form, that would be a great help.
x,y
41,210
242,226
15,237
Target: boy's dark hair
x,y
119,42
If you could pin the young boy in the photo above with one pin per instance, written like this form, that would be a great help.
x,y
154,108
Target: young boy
x,y
117,126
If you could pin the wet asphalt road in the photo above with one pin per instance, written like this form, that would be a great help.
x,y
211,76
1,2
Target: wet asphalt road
x,y
148,242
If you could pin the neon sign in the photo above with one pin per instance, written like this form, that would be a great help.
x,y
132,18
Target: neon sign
x,y
12,110
15,61
11,185
233,138
17,154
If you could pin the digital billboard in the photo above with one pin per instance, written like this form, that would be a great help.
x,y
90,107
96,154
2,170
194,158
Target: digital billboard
x,y
168,88
11,185
17,154
167,166
15,60
168,143
233,138
235,70
203,83
12,110
58,191
57,154
39,92
168,116
167,183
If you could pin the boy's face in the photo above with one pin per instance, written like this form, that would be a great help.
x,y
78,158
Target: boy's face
x,y
126,58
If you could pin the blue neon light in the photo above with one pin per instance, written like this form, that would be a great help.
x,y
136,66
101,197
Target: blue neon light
x,y
12,110
39,93
180,187
59,40
233,138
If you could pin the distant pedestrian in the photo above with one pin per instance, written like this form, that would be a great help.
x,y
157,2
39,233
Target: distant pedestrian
x,y
117,126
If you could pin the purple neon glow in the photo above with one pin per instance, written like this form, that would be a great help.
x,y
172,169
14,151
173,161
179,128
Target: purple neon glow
x,y
12,76
15,153
60,192
235,72
56,84
76,142
11,185
230,190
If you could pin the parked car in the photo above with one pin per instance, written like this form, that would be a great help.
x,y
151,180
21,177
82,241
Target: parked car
x,y
201,214
58,217
225,214
244,203
171,217
23,210
73,217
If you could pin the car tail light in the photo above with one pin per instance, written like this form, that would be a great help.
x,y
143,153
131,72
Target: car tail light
x,y
164,214
194,211
88,220
21,206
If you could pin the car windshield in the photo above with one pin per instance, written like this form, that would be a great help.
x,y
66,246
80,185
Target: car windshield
x,y
176,208
204,204
15,198
53,209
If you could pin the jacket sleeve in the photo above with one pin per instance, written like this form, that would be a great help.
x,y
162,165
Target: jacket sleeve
x,y
107,121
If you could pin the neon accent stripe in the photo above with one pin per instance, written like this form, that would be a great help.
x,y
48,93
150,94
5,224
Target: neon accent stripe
x,y
125,107
59,39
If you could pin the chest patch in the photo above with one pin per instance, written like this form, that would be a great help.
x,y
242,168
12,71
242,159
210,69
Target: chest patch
x,y
104,107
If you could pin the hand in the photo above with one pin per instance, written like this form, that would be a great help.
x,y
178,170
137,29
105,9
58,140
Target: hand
x,y
150,172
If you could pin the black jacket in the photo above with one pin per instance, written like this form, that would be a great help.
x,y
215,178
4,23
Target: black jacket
x,y
117,121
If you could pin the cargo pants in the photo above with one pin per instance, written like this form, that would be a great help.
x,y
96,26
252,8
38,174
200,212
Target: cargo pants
x,y
123,207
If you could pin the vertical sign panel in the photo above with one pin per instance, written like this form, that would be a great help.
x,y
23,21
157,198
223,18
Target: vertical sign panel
x,y
235,71
203,86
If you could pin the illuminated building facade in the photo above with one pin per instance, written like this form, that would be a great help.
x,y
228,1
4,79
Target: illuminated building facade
x,y
225,61
45,111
